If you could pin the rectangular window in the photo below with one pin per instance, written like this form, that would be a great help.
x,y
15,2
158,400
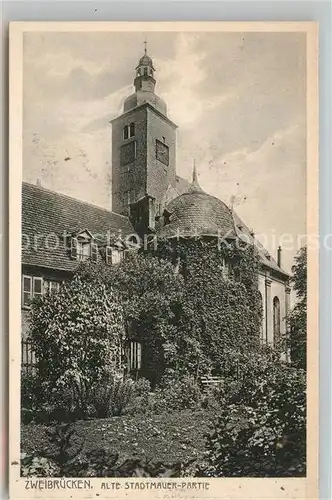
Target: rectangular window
x,y
27,290
132,130
113,255
152,215
73,247
32,287
129,131
135,356
37,287
94,252
51,286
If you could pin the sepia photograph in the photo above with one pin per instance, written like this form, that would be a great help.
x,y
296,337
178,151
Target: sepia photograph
x,y
160,262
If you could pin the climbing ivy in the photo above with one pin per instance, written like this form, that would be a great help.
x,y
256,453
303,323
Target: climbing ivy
x,y
221,307
194,304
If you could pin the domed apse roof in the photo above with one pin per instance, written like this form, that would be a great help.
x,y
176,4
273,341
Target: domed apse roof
x,y
196,213
141,97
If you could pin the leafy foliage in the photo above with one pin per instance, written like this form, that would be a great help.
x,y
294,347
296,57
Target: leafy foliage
x,y
297,319
151,296
221,312
77,335
175,393
109,396
193,320
80,329
261,429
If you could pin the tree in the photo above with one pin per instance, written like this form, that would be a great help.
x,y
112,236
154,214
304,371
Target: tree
x,y
297,318
151,294
76,333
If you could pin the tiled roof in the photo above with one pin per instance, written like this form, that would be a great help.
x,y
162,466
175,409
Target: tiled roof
x,y
266,258
198,213
47,214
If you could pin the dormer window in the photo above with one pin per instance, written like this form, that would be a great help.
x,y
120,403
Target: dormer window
x,y
83,247
114,255
129,131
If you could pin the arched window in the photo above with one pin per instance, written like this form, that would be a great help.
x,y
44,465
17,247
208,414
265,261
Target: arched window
x,y
129,131
145,71
276,319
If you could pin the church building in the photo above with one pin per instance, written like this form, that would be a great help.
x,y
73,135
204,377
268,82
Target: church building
x,y
148,198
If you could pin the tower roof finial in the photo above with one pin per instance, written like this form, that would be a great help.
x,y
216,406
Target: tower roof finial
x,y
145,44
195,179
195,187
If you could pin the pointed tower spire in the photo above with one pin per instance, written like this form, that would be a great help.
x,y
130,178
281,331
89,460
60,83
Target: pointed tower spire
x,y
195,187
195,179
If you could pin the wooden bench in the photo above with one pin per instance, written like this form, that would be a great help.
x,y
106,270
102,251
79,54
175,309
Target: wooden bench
x,y
210,381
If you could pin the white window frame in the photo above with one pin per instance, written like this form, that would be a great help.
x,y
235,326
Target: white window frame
x,y
134,355
24,292
51,286
84,248
128,133
114,255
94,252
32,292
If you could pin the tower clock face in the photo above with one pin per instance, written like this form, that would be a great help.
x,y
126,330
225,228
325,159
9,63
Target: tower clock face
x,y
162,152
128,153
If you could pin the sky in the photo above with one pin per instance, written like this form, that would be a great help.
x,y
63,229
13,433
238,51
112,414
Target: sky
x,y
239,100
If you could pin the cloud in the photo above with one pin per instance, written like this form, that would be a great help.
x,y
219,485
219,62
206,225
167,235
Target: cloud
x,y
181,77
269,186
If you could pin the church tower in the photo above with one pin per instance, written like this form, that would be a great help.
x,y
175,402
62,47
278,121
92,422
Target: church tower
x,y
143,151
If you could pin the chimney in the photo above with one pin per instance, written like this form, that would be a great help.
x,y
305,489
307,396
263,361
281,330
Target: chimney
x,y
279,256
39,184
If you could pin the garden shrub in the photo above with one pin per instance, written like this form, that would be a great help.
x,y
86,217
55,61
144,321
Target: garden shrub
x,y
142,397
261,428
80,329
41,405
109,396
176,393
